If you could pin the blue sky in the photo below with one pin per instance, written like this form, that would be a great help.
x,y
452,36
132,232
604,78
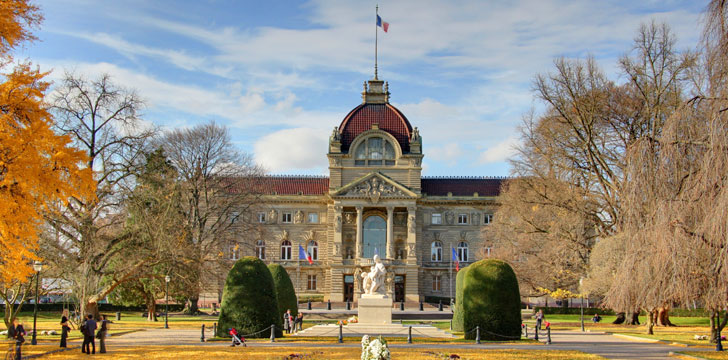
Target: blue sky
x,y
282,74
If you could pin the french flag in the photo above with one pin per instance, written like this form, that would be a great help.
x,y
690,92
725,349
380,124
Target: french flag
x,y
302,254
456,259
382,24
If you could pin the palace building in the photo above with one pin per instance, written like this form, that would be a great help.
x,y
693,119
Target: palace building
x,y
374,201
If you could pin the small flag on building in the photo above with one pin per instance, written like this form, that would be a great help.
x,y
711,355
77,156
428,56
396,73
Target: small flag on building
x,y
302,254
456,259
382,24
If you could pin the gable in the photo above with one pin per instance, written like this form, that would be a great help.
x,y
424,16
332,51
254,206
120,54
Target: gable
x,y
374,187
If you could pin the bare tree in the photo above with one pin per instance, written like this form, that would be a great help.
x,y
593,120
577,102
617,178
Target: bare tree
x,y
88,234
220,185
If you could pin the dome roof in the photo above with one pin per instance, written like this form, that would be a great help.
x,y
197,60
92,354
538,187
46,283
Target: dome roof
x,y
389,119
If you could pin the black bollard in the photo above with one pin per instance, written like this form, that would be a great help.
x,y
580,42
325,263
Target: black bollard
x,y
422,306
548,335
409,335
477,334
401,306
535,337
439,307
273,333
309,304
341,333
214,329
718,341
348,305
202,336
328,305
118,315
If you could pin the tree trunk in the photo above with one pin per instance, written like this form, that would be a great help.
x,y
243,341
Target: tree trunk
x,y
713,327
633,319
663,317
151,311
620,319
651,317
191,307
90,308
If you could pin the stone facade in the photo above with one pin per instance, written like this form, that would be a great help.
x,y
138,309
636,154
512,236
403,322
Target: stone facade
x,y
374,200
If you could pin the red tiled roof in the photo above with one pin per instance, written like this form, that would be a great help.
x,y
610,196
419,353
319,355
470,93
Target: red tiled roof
x,y
389,118
296,185
465,186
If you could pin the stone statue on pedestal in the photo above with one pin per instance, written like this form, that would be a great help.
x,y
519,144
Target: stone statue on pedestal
x,y
373,281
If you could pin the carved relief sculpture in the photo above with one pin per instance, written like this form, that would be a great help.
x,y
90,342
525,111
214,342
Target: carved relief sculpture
x,y
450,217
272,215
411,225
338,223
283,235
374,189
298,217
400,218
349,218
476,218
463,235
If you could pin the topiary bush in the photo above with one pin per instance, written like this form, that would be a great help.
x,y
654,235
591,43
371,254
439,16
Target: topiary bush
x,y
490,299
284,289
457,317
249,301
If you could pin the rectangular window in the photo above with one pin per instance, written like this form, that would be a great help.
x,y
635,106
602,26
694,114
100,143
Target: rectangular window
x,y
487,251
287,217
261,217
487,219
234,252
313,218
311,282
463,219
436,219
436,283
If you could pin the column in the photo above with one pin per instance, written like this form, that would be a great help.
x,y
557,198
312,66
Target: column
x,y
390,232
411,234
359,230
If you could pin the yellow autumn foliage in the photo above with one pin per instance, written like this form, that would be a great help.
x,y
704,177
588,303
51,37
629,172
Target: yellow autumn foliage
x,y
38,168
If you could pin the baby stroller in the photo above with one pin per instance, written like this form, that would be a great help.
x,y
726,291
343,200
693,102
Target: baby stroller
x,y
237,340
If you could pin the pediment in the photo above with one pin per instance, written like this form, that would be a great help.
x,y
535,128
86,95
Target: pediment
x,y
374,187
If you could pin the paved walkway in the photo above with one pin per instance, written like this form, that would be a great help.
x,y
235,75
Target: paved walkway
x,y
608,346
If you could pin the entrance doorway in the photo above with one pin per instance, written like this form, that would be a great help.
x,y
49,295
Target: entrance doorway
x,y
399,288
349,288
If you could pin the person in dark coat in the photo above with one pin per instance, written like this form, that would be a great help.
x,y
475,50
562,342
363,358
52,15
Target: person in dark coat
x,y
89,330
103,330
65,328
17,332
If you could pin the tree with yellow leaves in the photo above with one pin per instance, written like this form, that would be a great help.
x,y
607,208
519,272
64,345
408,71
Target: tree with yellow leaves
x,y
38,168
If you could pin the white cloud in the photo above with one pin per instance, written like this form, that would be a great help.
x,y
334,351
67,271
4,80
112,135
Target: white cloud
x,y
499,152
292,150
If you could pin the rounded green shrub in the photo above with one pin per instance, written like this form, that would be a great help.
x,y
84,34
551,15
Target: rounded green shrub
x,y
249,300
490,299
457,317
284,289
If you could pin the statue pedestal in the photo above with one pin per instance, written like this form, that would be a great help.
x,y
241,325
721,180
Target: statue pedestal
x,y
375,310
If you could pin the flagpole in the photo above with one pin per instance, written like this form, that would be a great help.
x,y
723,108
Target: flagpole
x,y
451,274
376,40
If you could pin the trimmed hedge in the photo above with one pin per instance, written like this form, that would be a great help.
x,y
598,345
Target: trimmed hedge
x,y
457,317
491,300
284,290
249,300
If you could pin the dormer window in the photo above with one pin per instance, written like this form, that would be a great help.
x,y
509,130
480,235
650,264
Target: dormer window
x,y
374,151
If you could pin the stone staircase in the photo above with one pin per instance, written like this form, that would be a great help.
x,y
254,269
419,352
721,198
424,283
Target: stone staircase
x,y
391,330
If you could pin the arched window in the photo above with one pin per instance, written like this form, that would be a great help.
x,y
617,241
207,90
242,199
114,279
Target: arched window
x,y
260,249
374,151
313,249
463,251
436,251
286,250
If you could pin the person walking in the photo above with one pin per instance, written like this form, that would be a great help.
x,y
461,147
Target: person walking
x,y
539,319
103,330
17,332
88,328
65,328
298,324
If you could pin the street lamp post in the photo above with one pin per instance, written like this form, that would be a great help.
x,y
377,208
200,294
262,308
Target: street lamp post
x,y
166,303
37,266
